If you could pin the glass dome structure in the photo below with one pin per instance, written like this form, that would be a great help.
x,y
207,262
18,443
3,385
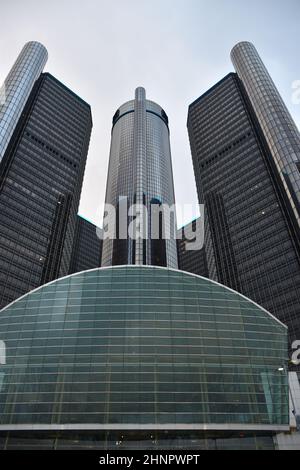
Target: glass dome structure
x,y
141,348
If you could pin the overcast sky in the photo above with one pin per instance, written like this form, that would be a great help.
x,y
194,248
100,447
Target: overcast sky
x,y
176,49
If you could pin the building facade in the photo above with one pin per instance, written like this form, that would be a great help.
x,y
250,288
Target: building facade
x,y
276,123
41,176
17,87
140,173
87,246
192,261
251,241
141,357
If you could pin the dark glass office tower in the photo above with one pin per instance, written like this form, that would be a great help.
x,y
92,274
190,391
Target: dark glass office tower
x,y
277,125
40,183
87,247
250,238
17,87
140,173
192,261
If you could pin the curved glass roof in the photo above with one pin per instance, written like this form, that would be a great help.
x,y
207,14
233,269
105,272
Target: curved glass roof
x,y
141,347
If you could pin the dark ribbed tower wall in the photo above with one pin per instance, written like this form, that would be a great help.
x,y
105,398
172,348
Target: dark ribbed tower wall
x,y
192,261
249,238
87,247
277,125
40,183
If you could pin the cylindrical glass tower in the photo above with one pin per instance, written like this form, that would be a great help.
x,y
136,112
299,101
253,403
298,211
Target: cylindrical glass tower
x,y
277,125
17,87
140,172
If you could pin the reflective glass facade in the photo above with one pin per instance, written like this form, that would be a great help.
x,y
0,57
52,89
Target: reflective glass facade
x,y
41,176
192,261
250,241
17,87
139,440
140,172
280,131
141,348
87,246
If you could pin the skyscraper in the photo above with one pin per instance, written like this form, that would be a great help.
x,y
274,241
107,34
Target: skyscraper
x,y
277,125
251,239
41,175
140,172
192,261
87,246
17,87
124,356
